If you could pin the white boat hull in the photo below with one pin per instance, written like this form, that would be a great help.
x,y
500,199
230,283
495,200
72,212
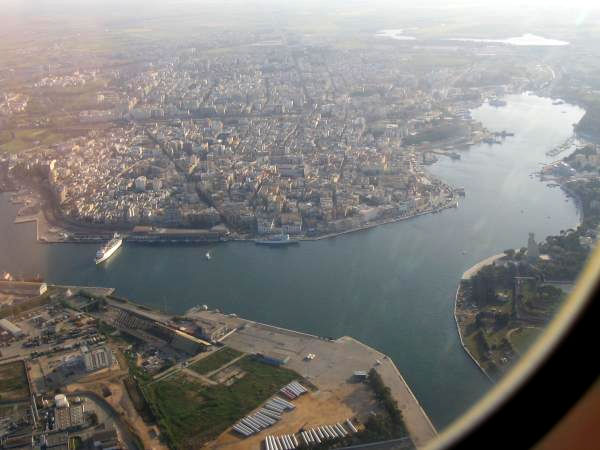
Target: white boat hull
x,y
109,252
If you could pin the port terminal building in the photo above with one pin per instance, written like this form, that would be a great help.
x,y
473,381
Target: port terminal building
x,y
141,324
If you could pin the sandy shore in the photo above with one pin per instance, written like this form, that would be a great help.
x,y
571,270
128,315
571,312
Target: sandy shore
x,y
470,272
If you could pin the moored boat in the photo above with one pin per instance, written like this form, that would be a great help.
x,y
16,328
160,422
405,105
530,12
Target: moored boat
x,y
279,239
108,249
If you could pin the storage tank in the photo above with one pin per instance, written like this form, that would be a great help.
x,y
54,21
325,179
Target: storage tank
x,y
60,401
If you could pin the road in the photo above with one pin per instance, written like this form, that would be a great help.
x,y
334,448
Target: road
x,y
128,437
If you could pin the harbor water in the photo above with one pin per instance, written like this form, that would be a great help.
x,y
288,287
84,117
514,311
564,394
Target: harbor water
x,y
392,286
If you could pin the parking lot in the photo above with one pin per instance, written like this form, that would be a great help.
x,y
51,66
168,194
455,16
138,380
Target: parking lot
x,y
51,345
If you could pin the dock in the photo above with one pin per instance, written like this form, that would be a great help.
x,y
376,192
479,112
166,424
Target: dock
x,y
331,369
335,362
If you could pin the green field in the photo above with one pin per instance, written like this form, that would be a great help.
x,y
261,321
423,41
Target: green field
x,y
191,414
214,361
19,308
5,137
13,382
17,140
523,338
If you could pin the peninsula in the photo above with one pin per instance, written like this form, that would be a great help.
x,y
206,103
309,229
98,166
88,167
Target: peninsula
x,y
504,302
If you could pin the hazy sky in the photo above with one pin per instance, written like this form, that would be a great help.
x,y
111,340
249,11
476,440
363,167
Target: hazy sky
x,y
91,5
568,12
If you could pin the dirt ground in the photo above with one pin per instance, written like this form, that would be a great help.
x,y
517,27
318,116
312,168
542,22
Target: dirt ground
x,y
122,404
315,408
120,401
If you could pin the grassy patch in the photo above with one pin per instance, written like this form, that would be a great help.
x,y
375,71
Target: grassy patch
x,y
5,137
190,413
13,382
138,373
27,138
138,400
24,139
522,339
216,360
20,308
477,345
75,443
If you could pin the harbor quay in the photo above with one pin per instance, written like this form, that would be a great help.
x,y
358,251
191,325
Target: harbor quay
x,y
332,368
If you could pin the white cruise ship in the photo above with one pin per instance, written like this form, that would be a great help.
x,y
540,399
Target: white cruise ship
x,y
108,249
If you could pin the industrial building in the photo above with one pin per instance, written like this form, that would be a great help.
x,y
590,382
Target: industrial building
x,y
10,327
67,414
97,358
212,325
274,358
108,439
130,320
57,441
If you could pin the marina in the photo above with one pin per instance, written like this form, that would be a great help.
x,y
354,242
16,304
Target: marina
x,y
569,145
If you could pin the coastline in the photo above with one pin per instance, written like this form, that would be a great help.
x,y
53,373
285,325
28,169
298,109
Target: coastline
x,y
48,234
470,272
486,262
419,426
382,222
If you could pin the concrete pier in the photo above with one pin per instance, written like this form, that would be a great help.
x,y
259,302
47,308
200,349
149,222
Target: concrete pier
x,y
335,362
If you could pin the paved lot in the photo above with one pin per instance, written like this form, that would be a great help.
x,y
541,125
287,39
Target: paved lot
x,y
333,366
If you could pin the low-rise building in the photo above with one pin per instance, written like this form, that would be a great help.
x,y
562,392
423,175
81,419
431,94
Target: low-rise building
x,y
108,439
7,325
68,414
264,226
274,358
97,358
57,441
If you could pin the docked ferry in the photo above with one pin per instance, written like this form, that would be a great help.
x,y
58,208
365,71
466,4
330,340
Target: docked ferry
x,y
279,239
107,250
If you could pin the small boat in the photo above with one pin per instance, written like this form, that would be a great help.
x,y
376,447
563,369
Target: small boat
x,y
208,256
